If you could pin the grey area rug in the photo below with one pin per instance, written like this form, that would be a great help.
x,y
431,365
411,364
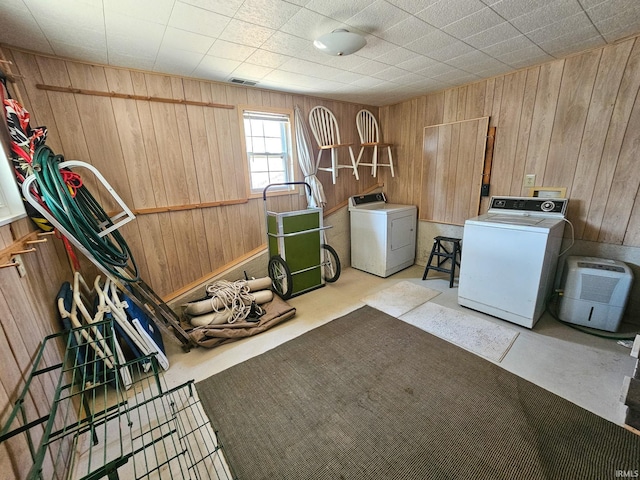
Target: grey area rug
x,y
368,396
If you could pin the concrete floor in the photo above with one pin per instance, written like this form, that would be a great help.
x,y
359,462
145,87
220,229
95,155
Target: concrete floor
x,y
584,369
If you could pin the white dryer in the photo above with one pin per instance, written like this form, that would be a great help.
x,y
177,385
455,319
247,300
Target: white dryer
x,y
383,235
510,257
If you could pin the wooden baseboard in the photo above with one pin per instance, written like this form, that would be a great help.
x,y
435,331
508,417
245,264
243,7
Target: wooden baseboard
x,y
215,273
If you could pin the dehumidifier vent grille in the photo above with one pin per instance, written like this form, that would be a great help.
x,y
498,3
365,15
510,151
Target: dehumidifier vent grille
x,y
597,289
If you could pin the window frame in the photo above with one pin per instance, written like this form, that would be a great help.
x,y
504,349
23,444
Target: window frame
x,y
293,167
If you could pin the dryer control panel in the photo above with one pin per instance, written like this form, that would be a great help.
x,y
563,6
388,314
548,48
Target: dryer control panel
x,y
368,198
552,207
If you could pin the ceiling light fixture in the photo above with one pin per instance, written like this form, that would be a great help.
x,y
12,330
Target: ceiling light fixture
x,y
340,42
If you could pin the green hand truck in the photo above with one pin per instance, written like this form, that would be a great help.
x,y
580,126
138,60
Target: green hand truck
x,y
299,258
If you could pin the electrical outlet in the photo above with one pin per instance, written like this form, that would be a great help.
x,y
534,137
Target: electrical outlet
x,y
530,180
17,259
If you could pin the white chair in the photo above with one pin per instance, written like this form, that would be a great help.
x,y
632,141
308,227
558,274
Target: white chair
x,y
326,132
370,137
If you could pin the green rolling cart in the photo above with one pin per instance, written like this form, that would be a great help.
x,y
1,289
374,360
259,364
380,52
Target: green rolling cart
x,y
299,260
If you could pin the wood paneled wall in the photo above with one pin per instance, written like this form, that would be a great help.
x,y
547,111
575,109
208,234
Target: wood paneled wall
x,y
573,123
27,314
163,155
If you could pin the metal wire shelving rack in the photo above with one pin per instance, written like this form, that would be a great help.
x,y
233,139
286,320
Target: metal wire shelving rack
x,y
97,428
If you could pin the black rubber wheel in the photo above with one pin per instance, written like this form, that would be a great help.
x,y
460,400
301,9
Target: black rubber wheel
x,y
330,264
280,275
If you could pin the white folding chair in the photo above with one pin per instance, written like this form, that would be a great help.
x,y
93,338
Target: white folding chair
x,y
370,137
326,132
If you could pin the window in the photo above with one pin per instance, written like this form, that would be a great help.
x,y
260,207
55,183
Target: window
x,y
269,153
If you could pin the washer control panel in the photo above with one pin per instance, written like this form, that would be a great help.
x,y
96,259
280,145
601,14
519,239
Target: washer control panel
x,y
554,207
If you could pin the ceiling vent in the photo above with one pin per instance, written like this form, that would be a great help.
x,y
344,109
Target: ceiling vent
x,y
240,81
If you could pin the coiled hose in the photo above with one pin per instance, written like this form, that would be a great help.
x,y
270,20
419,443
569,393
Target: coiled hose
x,y
73,206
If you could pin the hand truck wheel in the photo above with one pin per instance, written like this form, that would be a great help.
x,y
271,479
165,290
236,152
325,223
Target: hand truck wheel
x,y
330,263
280,275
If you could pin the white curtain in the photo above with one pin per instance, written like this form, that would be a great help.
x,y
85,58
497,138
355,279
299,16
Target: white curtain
x,y
307,162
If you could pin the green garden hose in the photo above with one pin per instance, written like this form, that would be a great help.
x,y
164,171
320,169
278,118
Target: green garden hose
x,y
73,206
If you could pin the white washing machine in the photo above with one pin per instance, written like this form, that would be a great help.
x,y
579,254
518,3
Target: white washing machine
x,y
509,257
383,235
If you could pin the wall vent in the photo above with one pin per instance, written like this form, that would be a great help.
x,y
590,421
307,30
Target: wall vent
x,y
240,81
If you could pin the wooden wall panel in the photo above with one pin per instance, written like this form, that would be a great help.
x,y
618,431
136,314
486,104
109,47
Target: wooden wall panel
x,y
172,155
573,123
452,165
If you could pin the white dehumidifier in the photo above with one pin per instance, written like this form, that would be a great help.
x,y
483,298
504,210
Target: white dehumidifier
x,y
595,292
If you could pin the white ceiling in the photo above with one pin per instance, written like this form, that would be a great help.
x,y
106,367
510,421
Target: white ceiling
x,y
413,46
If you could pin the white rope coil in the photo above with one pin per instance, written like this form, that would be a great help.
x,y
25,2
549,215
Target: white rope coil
x,y
233,296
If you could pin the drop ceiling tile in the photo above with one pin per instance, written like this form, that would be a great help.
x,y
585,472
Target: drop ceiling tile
x,y
348,77
582,39
408,78
229,50
397,55
196,20
518,58
436,69
120,25
127,61
371,67
177,39
431,42
13,24
378,16
509,9
455,49
412,6
310,25
417,64
298,65
88,15
92,39
618,22
245,33
285,44
290,78
456,77
367,82
223,7
267,59
390,73
493,71
156,11
79,52
350,63
215,67
338,9
376,47
406,31
267,13
474,57
132,47
247,71
176,61
552,12
473,24
508,46
500,33
445,12
566,27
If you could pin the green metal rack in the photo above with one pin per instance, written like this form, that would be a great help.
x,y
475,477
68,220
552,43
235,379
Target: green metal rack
x,y
97,428
299,259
